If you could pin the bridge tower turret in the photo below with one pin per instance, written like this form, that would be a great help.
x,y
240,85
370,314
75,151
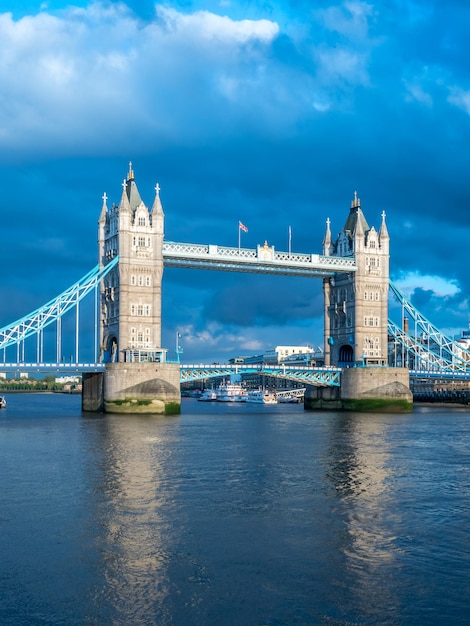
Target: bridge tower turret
x,y
356,304
131,293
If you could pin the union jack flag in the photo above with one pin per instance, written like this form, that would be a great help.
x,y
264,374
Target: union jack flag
x,y
242,227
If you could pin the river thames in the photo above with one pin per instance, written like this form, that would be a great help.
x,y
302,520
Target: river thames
x,y
233,514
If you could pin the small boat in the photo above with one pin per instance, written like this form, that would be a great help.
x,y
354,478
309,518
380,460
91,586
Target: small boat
x,y
208,395
261,397
289,399
3,402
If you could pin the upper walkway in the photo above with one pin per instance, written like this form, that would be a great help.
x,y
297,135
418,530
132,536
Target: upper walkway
x,y
261,260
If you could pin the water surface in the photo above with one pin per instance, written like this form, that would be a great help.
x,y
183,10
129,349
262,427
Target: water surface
x,y
233,514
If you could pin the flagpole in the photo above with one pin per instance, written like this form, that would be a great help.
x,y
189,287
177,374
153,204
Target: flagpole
x,y
239,237
290,240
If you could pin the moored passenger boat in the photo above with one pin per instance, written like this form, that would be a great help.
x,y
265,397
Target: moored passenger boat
x,y
231,392
3,402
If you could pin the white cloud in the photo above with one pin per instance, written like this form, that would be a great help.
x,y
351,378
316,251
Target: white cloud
x,y
460,98
345,64
416,92
351,19
206,25
440,286
74,79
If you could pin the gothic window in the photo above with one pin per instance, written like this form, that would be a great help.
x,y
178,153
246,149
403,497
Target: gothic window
x,y
376,295
140,310
372,243
141,242
141,221
147,281
147,310
133,241
365,295
132,309
133,279
140,336
141,280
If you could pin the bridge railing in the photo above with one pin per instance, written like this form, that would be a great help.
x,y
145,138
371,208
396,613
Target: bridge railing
x,y
263,259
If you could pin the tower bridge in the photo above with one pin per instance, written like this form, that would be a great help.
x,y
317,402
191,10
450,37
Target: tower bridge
x,y
131,372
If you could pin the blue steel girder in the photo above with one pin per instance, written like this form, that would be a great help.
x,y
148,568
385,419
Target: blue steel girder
x,y
434,350
318,376
33,323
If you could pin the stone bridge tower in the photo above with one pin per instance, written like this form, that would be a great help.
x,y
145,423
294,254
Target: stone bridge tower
x,y
131,293
137,378
356,304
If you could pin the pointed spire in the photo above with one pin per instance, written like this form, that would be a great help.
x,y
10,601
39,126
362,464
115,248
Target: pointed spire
x,y
355,215
356,202
157,208
383,234
104,209
124,204
327,239
133,194
359,229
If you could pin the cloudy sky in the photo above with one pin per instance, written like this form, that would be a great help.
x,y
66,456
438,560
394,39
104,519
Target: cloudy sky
x,y
272,113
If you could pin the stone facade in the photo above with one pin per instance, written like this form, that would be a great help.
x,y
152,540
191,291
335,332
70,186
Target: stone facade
x,y
356,323
131,292
356,304
365,389
137,378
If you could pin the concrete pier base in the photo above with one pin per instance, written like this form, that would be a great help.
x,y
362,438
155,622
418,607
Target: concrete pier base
x,y
147,388
365,389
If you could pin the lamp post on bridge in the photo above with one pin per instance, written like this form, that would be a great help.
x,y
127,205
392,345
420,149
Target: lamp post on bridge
x,y
179,349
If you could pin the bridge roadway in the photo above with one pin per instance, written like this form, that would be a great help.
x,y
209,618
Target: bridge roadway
x,y
322,376
262,260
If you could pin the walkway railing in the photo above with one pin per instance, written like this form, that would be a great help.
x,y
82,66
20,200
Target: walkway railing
x,y
262,260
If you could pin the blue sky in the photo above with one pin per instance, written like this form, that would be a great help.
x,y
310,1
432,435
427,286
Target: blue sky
x,y
272,113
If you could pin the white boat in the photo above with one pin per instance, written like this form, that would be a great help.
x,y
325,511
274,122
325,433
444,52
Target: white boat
x,y
208,395
231,392
3,402
261,397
